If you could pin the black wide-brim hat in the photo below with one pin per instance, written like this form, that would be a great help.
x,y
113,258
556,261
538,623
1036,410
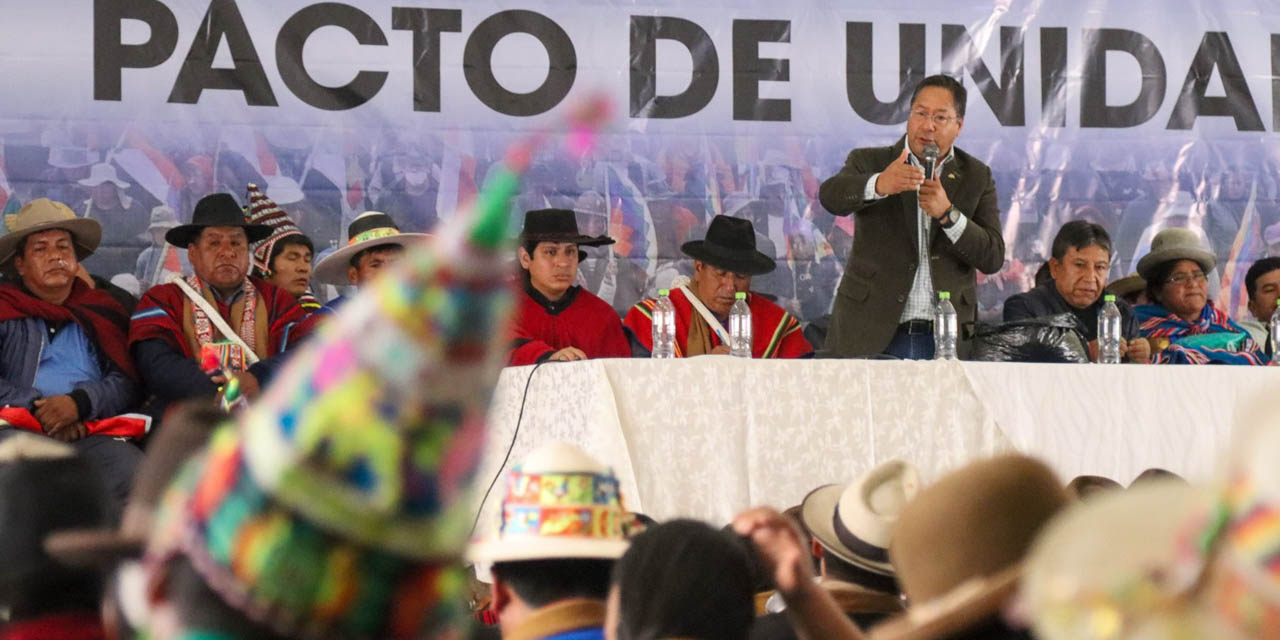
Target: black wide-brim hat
x,y
557,225
215,210
730,245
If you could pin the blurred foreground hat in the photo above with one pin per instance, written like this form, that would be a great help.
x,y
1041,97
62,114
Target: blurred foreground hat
x,y
559,503
335,506
958,547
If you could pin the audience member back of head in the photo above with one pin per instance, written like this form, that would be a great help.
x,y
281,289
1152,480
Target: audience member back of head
x,y
682,579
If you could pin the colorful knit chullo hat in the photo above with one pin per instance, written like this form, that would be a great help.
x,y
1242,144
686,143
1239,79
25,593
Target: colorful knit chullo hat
x,y
264,210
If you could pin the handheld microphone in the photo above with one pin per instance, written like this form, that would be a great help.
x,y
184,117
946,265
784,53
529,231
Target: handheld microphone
x,y
930,160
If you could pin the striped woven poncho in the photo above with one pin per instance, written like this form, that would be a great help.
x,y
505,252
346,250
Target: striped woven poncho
x,y
1154,321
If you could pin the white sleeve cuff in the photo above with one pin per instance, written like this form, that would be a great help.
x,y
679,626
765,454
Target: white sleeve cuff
x,y
957,229
870,192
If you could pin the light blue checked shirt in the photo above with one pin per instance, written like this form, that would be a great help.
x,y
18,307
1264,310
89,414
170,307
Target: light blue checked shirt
x,y
919,305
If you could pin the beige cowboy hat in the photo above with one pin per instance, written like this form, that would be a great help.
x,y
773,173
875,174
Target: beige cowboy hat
x,y
548,496
43,214
1127,285
1175,244
958,547
854,522
370,229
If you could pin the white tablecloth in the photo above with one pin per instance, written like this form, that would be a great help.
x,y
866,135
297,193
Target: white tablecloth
x,y
706,437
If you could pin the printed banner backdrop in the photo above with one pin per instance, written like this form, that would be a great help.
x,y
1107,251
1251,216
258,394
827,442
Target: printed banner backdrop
x,y
1138,116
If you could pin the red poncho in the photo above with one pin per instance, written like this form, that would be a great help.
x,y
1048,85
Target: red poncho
x,y
774,332
579,319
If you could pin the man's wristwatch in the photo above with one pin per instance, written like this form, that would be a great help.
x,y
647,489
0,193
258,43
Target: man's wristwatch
x,y
949,218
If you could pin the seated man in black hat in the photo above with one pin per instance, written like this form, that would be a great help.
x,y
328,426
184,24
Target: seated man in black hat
x,y
187,336
723,265
374,244
556,319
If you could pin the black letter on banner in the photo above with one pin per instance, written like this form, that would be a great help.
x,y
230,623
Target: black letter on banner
x,y
749,70
858,67
198,74
1008,99
110,56
645,101
1275,82
1094,110
1053,76
1215,51
293,36
426,25
477,62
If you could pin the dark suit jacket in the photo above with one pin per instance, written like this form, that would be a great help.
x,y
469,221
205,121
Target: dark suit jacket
x,y
882,265
1045,300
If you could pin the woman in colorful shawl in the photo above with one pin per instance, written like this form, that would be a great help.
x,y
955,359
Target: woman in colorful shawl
x,y
1182,324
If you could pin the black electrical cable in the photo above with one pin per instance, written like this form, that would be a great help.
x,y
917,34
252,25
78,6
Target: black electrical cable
x,y
514,434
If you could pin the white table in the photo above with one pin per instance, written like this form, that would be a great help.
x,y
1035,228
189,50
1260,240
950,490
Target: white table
x,y
709,436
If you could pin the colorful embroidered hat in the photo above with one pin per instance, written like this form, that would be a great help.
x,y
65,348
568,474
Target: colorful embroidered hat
x,y
263,210
1242,588
1166,559
1118,565
336,505
559,503
370,229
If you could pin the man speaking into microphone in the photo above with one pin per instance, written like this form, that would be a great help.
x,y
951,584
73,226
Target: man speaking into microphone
x,y
926,218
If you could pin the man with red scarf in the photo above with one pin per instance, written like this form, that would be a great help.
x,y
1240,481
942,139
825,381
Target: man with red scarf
x,y
64,370
180,350
723,265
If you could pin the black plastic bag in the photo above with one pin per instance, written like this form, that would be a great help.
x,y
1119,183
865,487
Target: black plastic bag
x,y
1047,339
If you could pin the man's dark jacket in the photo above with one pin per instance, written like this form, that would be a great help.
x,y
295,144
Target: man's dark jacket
x,y
882,264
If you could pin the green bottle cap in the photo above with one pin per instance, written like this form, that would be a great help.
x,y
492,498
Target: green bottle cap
x,y
1110,297
944,295
741,295
664,292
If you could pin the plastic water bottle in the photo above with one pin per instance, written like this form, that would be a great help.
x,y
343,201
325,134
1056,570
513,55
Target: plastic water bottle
x,y
664,326
1275,336
740,327
946,328
1109,331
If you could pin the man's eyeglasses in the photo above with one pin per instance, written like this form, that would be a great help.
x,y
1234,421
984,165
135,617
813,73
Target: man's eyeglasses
x,y
1182,279
937,118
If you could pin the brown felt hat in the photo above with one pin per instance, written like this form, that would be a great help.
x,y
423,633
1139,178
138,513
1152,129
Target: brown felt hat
x,y
958,547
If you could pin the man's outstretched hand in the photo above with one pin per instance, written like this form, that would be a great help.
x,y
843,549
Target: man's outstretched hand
x,y
899,176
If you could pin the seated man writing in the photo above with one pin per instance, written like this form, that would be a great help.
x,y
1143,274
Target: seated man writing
x,y
220,311
556,319
1078,275
64,369
723,265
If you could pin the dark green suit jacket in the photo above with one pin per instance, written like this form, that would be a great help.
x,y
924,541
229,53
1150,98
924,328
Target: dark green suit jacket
x,y
882,265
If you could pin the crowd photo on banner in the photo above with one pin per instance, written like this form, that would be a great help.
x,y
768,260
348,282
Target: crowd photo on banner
x,y
281,360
